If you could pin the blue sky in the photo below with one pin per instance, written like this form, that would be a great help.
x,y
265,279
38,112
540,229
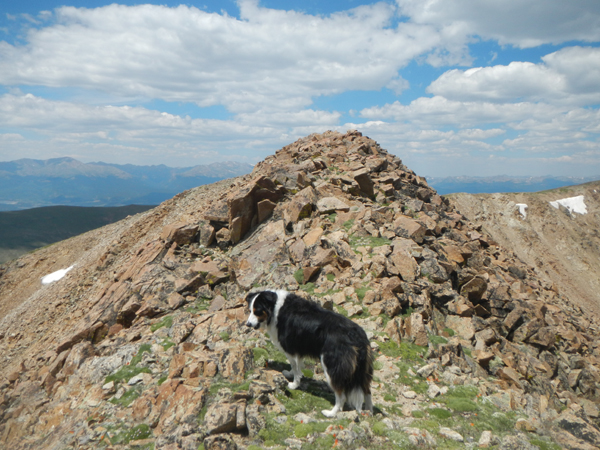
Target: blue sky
x,y
453,87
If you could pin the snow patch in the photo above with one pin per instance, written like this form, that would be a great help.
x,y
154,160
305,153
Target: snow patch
x,y
55,276
573,204
522,209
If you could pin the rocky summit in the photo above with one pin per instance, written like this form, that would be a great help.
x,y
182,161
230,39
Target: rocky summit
x,y
142,344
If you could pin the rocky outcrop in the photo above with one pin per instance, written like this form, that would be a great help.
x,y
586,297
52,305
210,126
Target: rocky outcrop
x,y
144,342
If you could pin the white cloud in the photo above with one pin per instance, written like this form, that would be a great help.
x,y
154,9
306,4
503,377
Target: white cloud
x,y
436,111
267,59
127,134
570,75
522,23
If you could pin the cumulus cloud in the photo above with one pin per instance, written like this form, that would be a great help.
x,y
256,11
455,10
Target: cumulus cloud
x,y
570,75
266,67
269,59
522,23
438,110
122,133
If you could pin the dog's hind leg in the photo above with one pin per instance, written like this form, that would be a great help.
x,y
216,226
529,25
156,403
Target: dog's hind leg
x,y
340,399
297,364
369,403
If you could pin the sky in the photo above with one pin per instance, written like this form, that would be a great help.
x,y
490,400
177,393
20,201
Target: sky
x,y
452,87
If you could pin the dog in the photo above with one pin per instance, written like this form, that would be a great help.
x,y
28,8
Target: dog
x,y
303,329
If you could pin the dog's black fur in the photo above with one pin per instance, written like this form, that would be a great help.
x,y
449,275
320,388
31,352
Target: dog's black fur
x,y
303,329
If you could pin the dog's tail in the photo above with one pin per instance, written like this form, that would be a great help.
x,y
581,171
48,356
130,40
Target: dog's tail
x,y
363,375
350,371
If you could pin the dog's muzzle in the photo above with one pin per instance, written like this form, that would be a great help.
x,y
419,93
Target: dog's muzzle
x,y
253,325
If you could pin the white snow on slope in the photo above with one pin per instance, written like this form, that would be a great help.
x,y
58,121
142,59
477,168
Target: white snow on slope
x,y
55,276
522,209
573,204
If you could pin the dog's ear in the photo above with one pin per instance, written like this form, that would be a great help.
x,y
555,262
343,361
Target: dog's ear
x,y
249,297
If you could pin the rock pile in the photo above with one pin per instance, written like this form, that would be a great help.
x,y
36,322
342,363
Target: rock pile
x,y
472,348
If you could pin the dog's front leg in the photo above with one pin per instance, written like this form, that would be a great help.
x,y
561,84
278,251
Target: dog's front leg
x,y
297,364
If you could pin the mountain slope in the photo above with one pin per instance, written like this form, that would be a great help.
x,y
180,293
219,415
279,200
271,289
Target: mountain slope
x,y
143,345
563,246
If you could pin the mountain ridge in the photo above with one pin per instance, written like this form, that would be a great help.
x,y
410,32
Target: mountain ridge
x,y
142,344
28,183
503,183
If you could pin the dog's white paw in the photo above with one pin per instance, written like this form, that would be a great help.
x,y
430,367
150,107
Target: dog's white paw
x,y
293,385
288,374
328,412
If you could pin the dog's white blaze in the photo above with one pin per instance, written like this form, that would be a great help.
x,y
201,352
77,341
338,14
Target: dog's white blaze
x,y
252,319
272,327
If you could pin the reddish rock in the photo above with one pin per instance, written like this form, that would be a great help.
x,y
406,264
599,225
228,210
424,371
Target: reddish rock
x,y
265,209
364,181
474,289
300,206
180,233
409,228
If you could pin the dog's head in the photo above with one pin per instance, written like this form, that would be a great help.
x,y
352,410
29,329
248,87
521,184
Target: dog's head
x,y
261,305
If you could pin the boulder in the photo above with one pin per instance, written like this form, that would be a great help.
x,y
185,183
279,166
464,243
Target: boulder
x,y
403,264
364,181
300,206
474,289
328,205
180,233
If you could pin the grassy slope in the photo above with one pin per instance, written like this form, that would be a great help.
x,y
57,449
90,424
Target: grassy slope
x,y
23,231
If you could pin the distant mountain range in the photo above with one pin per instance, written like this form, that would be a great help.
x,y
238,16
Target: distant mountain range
x,y
30,183
502,184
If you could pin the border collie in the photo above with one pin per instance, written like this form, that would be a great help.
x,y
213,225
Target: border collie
x,y
302,328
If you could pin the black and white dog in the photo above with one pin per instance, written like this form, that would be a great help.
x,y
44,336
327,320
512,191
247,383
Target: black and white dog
x,y
302,328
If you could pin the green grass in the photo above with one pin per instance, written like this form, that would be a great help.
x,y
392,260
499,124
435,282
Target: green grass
x,y
379,429
167,343
308,373
367,241
219,383
202,304
130,370
440,413
407,351
166,321
544,445
141,431
361,291
302,430
144,348
125,373
275,433
414,382
437,340
348,224
127,398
